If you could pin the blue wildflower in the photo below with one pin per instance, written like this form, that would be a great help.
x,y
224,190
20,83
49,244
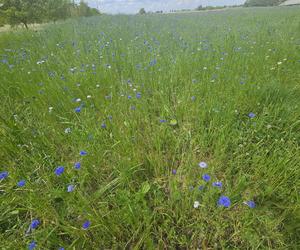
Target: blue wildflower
x,y
250,204
251,115
202,164
77,165
32,245
138,95
193,98
70,188
132,107
59,170
162,120
129,97
103,125
3,175
78,109
217,184
174,171
83,153
21,183
61,248
86,224
34,224
200,188
206,177
224,201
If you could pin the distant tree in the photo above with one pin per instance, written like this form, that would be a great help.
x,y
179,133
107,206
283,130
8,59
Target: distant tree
x,y
56,9
262,3
16,12
142,11
199,7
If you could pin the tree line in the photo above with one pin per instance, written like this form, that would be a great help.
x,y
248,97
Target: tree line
x,y
15,12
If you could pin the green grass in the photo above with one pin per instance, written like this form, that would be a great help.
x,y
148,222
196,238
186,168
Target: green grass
x,y
229,61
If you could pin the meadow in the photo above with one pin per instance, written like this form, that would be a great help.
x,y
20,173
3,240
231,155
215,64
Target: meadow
x,y
172,131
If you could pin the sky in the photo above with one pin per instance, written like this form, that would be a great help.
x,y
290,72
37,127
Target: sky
x,y
133,6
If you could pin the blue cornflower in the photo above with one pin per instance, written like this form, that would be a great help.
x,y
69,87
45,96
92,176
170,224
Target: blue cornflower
x,y
103,125
138,95
70,188
162,120
174,171
202,164
217,184
77,165
34,224
32,245
3,175
250,204
21,183
78,109
83,153
251,115
86,224
206,177
132,107
129,97
109,117
193,98
201,187
59,170
61,248
224,201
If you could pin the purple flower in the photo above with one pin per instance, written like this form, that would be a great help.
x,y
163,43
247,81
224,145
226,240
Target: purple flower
x,y
206,177
217,184
202,164
32,245
103,125
138,95
174,171
83,153
21,183
162,120
34,224
61,248
70,188
78,109
200,188
224,201
129,97
59,170
250,204
77,165
251,115
3,175
86,224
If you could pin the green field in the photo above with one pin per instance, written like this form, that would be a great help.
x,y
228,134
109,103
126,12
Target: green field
x,y
139,102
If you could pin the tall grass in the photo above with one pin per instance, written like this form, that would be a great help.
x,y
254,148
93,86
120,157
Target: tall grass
x,y
158,94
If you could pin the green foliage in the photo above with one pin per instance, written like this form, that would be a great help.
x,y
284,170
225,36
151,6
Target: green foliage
x,y
25,12
199,76
252,3
22,11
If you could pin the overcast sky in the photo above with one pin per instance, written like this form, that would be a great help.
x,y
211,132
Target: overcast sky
x,y
132,6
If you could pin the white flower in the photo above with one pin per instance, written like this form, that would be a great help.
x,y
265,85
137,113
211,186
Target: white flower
x,y
202,164
97,86
89,96
50,109
196,204
78,100
279,63
68,130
